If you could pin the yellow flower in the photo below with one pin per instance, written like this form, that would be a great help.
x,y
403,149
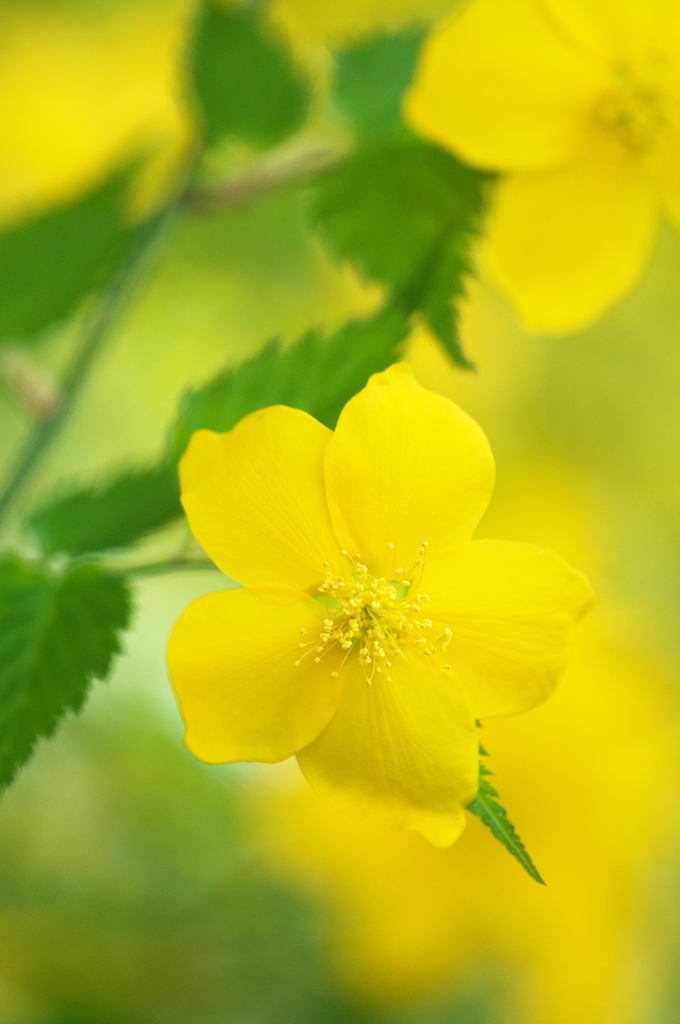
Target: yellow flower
x,y
372,631
579,103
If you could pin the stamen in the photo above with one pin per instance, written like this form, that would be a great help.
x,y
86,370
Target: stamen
x,y
376,616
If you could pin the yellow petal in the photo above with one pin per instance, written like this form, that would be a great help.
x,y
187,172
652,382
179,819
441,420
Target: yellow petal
x,y
402,753
498,85
567,244
231,659
405,465
255,498
622,31
512,610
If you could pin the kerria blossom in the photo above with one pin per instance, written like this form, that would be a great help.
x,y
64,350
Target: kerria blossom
x,y
371,631
578,102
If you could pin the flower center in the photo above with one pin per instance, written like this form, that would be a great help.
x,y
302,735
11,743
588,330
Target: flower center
x,y
633,111
375,618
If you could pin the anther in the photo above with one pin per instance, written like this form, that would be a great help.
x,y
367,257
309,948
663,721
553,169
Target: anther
x,y
302,645
317,660
296,664
447,667
390,545
304,629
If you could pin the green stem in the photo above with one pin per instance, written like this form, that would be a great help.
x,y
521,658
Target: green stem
x,y
170,565
95,332
263,180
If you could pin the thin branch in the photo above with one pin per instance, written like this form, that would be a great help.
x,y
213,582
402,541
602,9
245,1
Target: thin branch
x,y
263,180
94,333
169,565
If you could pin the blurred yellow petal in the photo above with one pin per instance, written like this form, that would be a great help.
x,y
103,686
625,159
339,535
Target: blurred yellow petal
x,y
81,87
619,30
402,752
500,87
310,23
404,466
231,657
512,610
566,244
255,499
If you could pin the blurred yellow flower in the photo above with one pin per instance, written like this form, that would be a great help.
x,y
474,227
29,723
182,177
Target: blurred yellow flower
x,y
579,103
334,652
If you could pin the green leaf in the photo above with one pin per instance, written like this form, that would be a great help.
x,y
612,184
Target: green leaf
x,y
244,79
371,78
404,212
110,514
487,807
58,632
318,376
50,262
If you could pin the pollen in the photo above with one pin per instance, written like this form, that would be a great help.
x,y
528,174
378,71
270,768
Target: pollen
x,y
375,619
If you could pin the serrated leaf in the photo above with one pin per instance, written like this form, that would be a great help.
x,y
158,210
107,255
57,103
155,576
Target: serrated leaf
x,y
444,282
316,375
59,630
403,211
50,262
488,808
371,78
244,79
110,514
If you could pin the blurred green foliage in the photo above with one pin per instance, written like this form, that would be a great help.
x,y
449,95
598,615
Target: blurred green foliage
x,y
161,910
404,212
371,78
51,262
245,81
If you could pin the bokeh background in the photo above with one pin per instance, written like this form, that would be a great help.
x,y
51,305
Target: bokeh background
x,y
137,885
